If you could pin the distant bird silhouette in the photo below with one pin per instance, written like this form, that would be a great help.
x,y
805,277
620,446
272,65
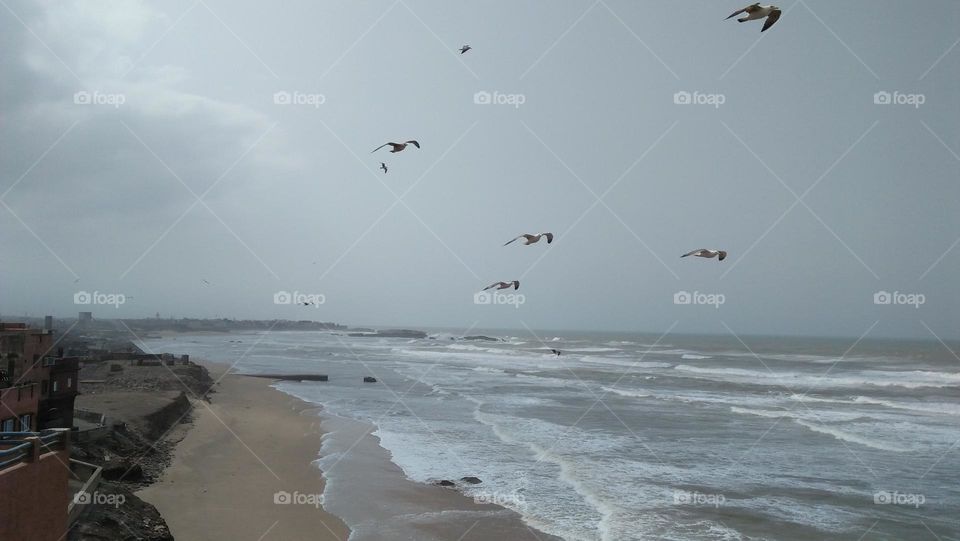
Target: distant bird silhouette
x,y
465,48
556,352
205,281
397,147
504,285
532,239
703,252
756,11
383,166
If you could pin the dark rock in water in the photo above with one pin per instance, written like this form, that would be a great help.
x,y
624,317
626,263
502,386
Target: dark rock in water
x,y
294,377
445,483
481,338
369,379
391,333
471,480
401,333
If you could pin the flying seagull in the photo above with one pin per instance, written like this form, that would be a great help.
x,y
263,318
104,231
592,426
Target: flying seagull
x,y
556,352
504,285
383,166
205,281
703,252
756,11
532,239
396,147
465,48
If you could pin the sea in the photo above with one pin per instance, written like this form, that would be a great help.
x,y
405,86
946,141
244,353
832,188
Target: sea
x,y
634,436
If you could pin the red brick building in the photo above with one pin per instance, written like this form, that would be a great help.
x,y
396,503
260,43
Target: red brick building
x,y
37,386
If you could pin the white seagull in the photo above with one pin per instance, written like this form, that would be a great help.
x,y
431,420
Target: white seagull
x,y
533,239
703,252
756,11
396,147
504,285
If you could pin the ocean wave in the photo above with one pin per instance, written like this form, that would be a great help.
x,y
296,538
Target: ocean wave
x,y
923,407
851,437
838,433
692,356
926,407
912,379
625,392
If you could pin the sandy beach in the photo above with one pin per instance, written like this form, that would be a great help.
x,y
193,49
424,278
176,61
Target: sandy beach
x,y
246,449
254,442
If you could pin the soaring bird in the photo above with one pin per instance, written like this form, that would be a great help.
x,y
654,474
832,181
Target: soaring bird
x,y
383,166
532,239
556,352
504,285
465,48
396,147
756,11
703,252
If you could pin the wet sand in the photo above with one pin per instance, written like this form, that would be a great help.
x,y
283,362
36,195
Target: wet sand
x,y
255,442
251,445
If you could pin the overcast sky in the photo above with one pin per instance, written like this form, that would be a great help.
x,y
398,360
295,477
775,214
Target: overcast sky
x,y
143,151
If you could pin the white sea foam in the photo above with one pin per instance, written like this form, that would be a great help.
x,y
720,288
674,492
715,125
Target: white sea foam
x,y
909,379
851,437
626,392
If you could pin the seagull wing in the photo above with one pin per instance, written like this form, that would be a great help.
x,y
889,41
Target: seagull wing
x,y
771,19
495,284
694,252
722,255
516,284
414,143
514,240
549,237
379,147
739,11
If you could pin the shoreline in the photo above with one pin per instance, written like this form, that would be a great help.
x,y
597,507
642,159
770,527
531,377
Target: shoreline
x,y
248,453
222,480
381,503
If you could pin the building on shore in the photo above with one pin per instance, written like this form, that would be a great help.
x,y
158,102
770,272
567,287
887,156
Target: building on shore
x,y
37,386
